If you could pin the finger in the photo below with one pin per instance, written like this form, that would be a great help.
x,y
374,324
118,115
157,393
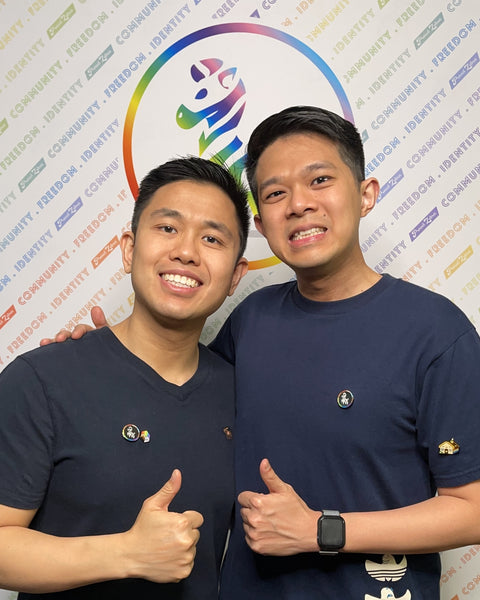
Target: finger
x,y
168,492
247,499
98,317
80,330
245,515
194,517
62,335
270,478
249,531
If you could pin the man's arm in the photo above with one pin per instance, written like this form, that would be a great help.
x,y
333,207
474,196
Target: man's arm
x,y
280,523
160,547
449,520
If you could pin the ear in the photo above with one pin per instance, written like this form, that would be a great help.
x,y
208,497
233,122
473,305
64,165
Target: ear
x,y
370,188
127,244
257,219
241,269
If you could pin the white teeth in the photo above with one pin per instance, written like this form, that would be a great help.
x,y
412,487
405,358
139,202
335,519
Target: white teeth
x,y
309,232
180,280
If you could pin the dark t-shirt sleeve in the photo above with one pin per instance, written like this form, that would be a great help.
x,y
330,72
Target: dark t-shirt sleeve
x,y
26,439
449,408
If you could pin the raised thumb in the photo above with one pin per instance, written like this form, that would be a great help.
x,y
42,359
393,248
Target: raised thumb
x,y
168,492
270,478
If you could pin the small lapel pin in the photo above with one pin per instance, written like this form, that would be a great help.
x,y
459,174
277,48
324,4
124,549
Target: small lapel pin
x,y
132,433
450,447
345,399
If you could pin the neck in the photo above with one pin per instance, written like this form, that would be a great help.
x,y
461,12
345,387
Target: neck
x,y
339,285
171,351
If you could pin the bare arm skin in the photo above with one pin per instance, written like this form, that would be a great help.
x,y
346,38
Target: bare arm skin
x,y
280,523
160,547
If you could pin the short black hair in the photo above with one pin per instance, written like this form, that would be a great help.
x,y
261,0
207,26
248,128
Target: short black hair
x,y
307,120
193,168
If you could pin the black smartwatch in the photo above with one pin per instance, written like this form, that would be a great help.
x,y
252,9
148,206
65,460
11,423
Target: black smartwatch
x,y
330,532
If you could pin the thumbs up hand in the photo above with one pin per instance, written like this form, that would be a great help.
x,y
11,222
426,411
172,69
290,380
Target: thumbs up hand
x,y
278,523
161,545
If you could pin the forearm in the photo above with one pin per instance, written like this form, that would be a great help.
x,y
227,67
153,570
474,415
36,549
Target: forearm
x,y
438,524
280,523
34,562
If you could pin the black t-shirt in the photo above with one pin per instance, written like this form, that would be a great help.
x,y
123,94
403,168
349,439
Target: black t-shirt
x,y
65,408
350,401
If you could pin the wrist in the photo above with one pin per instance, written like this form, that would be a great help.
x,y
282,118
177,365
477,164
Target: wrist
x,y
330,532
123,550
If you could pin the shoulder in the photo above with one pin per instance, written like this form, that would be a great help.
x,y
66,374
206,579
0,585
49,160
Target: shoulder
x,y
213,359
424,314
419,300
57,357
258,305
245,317
266,296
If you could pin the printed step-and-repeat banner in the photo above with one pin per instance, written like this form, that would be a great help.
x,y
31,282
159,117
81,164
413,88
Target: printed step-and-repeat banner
x,y
94,94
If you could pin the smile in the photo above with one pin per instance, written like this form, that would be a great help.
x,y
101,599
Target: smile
x,y
180,280
300,235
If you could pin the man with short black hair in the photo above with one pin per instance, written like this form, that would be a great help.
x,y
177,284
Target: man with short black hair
x,y
349,383
98,426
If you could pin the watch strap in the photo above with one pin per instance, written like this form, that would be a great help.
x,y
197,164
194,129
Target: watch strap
x,y
330,532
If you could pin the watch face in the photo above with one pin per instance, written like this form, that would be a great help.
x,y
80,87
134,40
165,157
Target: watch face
x,y
332,533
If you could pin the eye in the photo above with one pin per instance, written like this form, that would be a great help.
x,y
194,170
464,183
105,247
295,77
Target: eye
x,y
167,228
320,179
211,239
273,195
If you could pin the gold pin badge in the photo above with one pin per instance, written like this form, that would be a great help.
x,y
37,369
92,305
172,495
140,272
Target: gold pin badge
x,y
450,447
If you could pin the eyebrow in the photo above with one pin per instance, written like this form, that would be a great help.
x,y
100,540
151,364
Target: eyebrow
x,y
307,169
166,212
220,227
170,212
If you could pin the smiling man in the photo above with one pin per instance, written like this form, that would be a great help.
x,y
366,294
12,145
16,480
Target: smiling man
x,y
348,384
139,413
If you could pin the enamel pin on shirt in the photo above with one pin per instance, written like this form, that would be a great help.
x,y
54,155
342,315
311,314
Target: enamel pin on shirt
x,y
450,447
345,399
132,433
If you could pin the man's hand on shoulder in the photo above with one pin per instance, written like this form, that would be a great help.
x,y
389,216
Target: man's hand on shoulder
x,y
98,319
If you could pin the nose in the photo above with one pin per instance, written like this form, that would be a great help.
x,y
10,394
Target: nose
x,y
300,202
185,249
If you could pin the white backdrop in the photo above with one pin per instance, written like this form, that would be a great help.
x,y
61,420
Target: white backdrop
x,y
94,94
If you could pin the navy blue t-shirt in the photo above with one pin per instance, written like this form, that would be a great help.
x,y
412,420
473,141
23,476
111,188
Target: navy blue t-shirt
x,y
65,407
350,401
